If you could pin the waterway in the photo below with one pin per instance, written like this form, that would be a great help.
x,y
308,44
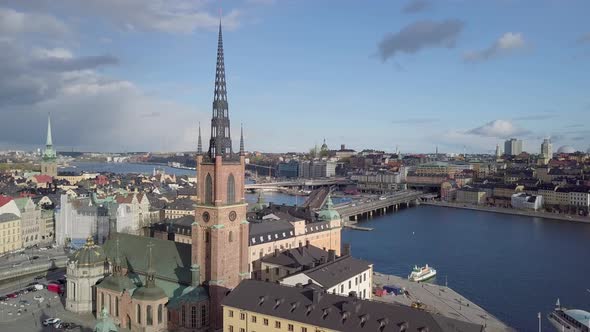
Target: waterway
x,y
512,266
123,168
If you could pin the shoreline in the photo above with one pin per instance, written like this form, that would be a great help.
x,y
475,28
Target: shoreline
x,y
545,215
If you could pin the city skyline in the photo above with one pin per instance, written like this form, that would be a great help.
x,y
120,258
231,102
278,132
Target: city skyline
x,y
136,76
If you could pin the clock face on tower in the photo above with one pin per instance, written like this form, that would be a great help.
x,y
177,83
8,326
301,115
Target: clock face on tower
x,y
233,215
206,216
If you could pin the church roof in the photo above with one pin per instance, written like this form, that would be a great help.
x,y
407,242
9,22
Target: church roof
x,y
90,254
172,259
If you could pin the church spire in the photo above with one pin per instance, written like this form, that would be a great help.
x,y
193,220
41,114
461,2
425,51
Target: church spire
x,y
150,273
220,142
242,152
49,142
199,143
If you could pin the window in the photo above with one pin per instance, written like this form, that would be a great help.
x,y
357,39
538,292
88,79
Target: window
x,y
304,329
290,327
231,189
265,322
149,317
349,284
208,189
276,270
356,281
253,319
231,236
110,303
101,300
183,316
277,324
242,316
231,328
193,317
203,315
159,313
365,276
231,313
242,330
138,309
342,288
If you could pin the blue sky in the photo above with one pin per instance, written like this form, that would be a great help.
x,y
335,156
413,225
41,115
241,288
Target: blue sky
x,y
123,75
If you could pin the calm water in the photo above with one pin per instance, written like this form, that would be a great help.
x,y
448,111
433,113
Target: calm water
x,y
123,168
513,266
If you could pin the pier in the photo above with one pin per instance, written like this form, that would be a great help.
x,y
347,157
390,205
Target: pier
x,y
351,212
438,300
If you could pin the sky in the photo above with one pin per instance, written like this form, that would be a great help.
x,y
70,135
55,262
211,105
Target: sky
x,y
137,75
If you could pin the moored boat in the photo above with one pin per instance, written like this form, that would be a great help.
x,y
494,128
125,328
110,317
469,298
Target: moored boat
x,y
422,273
571,320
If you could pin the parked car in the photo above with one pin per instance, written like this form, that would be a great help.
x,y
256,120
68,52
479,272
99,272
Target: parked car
x,y
3,298
38,298
51,321
31,289
39,277
38,287
12,296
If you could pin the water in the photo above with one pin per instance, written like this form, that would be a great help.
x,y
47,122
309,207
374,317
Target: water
x,y
124,168
512,266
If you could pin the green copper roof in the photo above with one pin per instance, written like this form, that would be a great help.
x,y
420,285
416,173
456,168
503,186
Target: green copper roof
x,y
260,204
21,202
105,323
149,293
117,283
90,254
328,212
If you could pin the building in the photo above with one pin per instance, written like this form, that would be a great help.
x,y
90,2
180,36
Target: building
x,y
317,169
179,208
526,202
343,153
280,264
498,152
10,237
513,147
133,213
263,306
580,196
378,182
546,151
76,219
338,275
31,222
220,232
49,159
288,169
176,229
84,268
471,196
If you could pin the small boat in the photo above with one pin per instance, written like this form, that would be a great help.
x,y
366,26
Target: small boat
x,y
422,273
571,320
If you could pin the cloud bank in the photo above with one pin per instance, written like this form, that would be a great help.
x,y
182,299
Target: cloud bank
x,y
505,44
416,6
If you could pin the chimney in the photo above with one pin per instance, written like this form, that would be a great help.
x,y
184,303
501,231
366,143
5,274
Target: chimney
x,y
322,260
346,250
307,244
276,252
403,326
331,255
342,147
317,295
195,275
352,294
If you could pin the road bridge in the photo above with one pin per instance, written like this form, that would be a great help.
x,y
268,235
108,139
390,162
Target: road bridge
x,y
302,184
351,212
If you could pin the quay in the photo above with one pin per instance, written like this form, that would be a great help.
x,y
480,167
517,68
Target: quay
x,y
439,300
538,214
358,228
351,212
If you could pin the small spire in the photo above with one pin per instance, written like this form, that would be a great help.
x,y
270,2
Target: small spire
x,y
149,278
241,140
199,143
49,138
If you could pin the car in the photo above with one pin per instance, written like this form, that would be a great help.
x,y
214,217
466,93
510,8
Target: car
x,y
39,277
38,298
31,289
12,295
51,321
61,281
35,257
24,302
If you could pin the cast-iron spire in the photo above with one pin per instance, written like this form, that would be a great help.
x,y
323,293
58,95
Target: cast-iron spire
x,y
150,273
199,144
242,140
49,141
220,143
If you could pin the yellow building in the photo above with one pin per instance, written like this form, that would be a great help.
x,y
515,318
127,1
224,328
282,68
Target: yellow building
x,y
10,236
258,306
471,196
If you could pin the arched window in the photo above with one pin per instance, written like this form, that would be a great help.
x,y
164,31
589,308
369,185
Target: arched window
x,y
149,317
116,306
183,316
231,236
138,314
208,189
194,317
231,189
160,313
101,301
110,304
203,315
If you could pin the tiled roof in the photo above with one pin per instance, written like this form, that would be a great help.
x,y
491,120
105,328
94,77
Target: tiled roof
x,y
4,200
43,178
301,256
334,312
5,217
332,273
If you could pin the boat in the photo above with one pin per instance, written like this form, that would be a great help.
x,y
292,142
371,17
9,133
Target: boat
x,y
571,320
422,273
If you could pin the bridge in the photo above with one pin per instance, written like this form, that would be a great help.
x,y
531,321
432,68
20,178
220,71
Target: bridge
x,y
354,210
304,184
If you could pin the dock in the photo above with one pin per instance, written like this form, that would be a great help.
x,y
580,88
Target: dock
x,y
439,300
359,228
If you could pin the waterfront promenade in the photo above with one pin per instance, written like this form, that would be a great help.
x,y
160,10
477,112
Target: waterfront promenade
x,y
539,214
439,300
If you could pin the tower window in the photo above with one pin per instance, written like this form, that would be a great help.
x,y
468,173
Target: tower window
x,y
208,189
231,189
231,236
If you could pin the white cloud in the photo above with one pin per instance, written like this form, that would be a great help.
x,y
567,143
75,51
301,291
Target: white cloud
x,y
498,129
15,23
506,43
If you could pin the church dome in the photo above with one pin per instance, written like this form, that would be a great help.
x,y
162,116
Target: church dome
x,y
89,255
566,149
329,213
149,293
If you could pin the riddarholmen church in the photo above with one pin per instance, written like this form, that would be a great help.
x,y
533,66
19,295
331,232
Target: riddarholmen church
x,y
154,284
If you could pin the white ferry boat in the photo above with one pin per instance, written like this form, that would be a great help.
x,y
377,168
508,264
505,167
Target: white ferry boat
x,y
422,273
570,320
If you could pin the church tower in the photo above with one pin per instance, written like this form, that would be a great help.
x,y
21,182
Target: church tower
x,y
49,162
220,230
